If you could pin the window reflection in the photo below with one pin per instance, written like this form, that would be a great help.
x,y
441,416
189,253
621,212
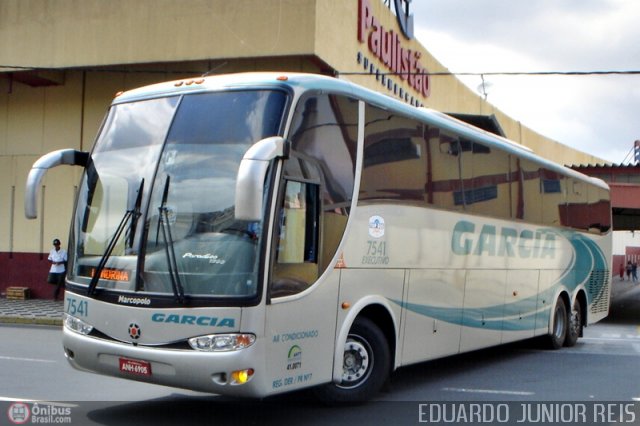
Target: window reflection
x,y
410,162
321,166
393,167
122,163
191,216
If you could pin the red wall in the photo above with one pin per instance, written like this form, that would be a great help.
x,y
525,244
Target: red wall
x,y
618,262
26,270
633,254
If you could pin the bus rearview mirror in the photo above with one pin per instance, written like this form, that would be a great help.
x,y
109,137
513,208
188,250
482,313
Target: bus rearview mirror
x,y
60,157
252,173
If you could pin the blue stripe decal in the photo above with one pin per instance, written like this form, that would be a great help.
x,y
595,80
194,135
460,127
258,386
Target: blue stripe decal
x,y
589,257
521,315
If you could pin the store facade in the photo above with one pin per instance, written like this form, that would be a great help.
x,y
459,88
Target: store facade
x,y
63,61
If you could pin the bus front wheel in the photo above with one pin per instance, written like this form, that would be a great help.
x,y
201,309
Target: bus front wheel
x,y
559,327
366,365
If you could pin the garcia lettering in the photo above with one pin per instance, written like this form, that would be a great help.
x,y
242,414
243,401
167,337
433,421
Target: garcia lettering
x,y
193,320
503,242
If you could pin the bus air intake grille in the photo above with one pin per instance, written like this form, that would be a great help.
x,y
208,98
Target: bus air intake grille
x,y
598,288
181,345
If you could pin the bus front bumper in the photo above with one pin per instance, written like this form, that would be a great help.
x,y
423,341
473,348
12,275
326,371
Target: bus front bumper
x,y
211,372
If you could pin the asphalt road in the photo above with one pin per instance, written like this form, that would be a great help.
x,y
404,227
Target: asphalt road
x,y
603,366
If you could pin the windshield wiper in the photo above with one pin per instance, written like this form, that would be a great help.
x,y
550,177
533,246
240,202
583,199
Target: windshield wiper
x,y
165,226
135,214
131,215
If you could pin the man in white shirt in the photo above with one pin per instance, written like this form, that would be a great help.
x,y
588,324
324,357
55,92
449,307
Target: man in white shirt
x,y
58,259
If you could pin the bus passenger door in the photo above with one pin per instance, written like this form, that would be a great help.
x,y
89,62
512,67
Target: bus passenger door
x,y
301,312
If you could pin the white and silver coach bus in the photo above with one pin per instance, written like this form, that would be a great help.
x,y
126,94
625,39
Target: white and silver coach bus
x,y
259,233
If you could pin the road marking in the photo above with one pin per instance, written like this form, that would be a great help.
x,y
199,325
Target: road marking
x,y
11,358
9,399
488,391
611,339
36,401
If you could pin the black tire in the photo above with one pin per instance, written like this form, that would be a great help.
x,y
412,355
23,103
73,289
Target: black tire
x,y
574,325
558,332
366,365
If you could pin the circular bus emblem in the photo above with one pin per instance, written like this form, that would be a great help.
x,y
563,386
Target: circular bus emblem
x,y
134,331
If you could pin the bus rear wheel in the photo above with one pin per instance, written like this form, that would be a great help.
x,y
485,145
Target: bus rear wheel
x,y
365,368
574,326
559,327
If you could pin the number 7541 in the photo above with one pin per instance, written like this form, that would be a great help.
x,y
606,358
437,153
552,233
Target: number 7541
x,y
77,307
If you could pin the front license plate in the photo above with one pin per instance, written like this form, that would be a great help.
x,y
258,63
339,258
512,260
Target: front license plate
x,y
135,366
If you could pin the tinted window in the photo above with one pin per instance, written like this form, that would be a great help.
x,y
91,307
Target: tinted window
x,y
554,198
317,191
443,169
393,164
528,197
588,207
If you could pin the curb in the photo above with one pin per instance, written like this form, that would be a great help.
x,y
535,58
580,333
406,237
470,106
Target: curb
x,y
27,320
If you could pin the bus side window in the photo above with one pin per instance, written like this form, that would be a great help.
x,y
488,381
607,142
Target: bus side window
x,y
296,266
553,187
393,167
489,191
320,169
528,192
443,170
588,208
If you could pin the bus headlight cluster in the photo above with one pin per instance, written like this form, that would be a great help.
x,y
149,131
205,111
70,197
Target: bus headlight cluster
x,y
222,342
77,325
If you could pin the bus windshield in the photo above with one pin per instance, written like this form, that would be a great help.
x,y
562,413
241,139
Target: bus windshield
x,y
155,212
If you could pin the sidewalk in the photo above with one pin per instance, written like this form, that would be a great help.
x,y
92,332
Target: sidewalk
x,y
31,311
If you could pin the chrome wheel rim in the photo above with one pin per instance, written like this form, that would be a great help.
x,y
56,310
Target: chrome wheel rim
x,y
357,362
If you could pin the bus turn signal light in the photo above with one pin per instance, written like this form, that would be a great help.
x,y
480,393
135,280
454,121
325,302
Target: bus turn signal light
x,y
240,377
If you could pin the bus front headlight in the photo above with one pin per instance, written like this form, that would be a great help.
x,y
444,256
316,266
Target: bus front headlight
x,y
77,325
222,342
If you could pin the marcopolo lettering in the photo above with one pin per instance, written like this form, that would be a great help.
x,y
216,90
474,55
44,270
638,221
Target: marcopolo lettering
x,y
134,300
493,241
193,320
